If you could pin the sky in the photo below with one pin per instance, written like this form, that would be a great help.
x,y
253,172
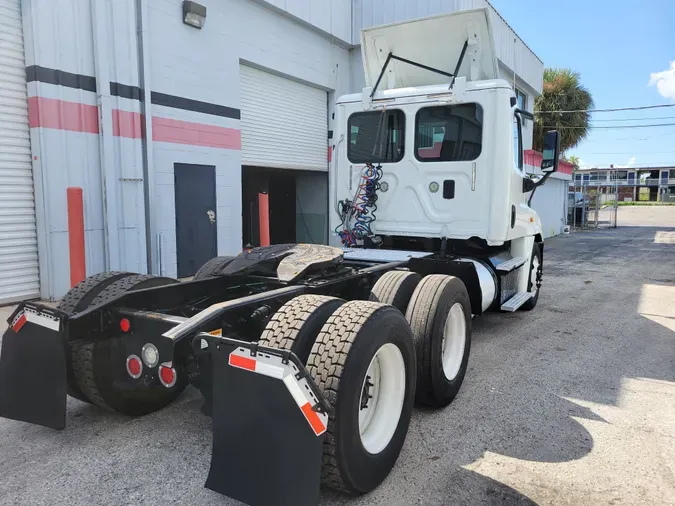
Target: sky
x,y
624,51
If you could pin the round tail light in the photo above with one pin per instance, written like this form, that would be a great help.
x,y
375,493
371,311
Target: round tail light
x,y
150,355
134,366
125,325
167,375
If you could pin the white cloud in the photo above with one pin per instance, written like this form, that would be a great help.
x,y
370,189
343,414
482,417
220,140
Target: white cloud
x,y
583,164
630,163
664,81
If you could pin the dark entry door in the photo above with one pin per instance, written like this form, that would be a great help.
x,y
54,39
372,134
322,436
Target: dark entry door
x,y
196,239
282,207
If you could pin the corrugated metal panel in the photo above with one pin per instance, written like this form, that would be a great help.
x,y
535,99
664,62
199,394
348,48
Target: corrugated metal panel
x,y
18,237
515,55
549,201
331,16
283,123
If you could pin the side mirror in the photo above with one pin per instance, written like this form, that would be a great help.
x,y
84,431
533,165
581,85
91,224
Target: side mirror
x,y
551,155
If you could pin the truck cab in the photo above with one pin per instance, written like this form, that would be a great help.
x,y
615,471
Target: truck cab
x,y
435,138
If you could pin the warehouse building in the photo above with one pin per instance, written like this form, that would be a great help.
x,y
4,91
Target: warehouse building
x,y
172,117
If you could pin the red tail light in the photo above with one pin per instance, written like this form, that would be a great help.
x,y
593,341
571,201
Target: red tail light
x,y
125,325
167,375
134,366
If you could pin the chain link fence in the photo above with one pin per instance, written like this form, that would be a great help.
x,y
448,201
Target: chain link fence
x,y
592,206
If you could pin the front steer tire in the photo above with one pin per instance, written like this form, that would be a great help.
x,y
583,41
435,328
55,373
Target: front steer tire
x,y
99,367
536,267
340,358
429,309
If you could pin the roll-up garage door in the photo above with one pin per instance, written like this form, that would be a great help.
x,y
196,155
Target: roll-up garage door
x,y
283,122
18,238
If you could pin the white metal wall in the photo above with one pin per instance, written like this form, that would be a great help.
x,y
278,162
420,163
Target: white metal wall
x,y
18,236
283,122
330,16
549,201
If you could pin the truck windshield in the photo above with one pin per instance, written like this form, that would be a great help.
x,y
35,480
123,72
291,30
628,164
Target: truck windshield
x,y
449,133
376,137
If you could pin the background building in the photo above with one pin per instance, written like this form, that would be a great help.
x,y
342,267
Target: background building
x,y
172,130
655,184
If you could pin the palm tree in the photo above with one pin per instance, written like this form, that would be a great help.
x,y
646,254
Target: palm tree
x,y
562,92
574,160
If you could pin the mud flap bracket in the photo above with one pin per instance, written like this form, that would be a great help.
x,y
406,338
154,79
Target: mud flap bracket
x,y
269,423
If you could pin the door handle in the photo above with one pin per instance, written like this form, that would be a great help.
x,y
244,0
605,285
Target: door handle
x,y
212,216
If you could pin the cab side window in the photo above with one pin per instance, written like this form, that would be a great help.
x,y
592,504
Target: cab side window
x,y
449,133
376,137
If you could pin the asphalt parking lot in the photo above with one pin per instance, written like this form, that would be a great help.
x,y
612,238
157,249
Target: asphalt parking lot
x,y
572,403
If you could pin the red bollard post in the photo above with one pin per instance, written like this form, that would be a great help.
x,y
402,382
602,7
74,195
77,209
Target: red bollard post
x,y
78,268
264,218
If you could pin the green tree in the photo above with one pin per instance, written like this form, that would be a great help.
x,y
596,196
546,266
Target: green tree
x,y
562,91
574,160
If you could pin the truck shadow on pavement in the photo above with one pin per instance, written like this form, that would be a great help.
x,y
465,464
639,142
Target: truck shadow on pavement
x,y
595,327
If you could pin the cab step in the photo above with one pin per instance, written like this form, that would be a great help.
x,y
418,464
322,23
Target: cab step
x,y
512,264
516,301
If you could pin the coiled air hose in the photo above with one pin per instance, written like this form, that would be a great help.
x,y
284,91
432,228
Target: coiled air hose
x,y
357,215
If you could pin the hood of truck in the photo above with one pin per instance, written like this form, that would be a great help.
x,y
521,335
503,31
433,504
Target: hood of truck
x,y
436,42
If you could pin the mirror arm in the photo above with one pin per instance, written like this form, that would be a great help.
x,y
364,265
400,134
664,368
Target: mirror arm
x,y
537,185
526,114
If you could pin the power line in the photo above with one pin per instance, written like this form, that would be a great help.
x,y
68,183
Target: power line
x,y
641,108
635,119
627,153
612,126
644,138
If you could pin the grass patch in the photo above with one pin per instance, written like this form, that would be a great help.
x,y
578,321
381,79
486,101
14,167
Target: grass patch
x,y
639,203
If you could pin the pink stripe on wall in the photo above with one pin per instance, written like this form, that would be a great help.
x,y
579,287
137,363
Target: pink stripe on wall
x,y
534,158
75,117
195,134
127,124
62,115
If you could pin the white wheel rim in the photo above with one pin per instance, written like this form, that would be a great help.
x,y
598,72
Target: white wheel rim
x,y
533,275
381,402
454,341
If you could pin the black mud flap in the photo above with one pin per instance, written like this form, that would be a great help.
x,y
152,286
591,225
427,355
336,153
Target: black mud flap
x,y
33,368
269,423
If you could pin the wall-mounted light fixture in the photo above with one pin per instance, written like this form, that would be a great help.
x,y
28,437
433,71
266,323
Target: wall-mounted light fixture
x,y
194,14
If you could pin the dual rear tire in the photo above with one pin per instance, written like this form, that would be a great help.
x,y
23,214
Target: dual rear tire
x,y
372,363
362,358
438,309
96,370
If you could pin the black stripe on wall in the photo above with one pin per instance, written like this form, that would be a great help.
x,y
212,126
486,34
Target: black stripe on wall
x,y
60,78
188,104
330,134
125,91
35,73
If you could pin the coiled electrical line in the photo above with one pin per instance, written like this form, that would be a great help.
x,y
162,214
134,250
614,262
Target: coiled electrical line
x,y
357,215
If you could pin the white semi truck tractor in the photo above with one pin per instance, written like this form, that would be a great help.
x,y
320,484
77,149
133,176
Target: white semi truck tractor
x,y
428,161
310,358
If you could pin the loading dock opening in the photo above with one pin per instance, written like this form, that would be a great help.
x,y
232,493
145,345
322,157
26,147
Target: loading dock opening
x,y
298,205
